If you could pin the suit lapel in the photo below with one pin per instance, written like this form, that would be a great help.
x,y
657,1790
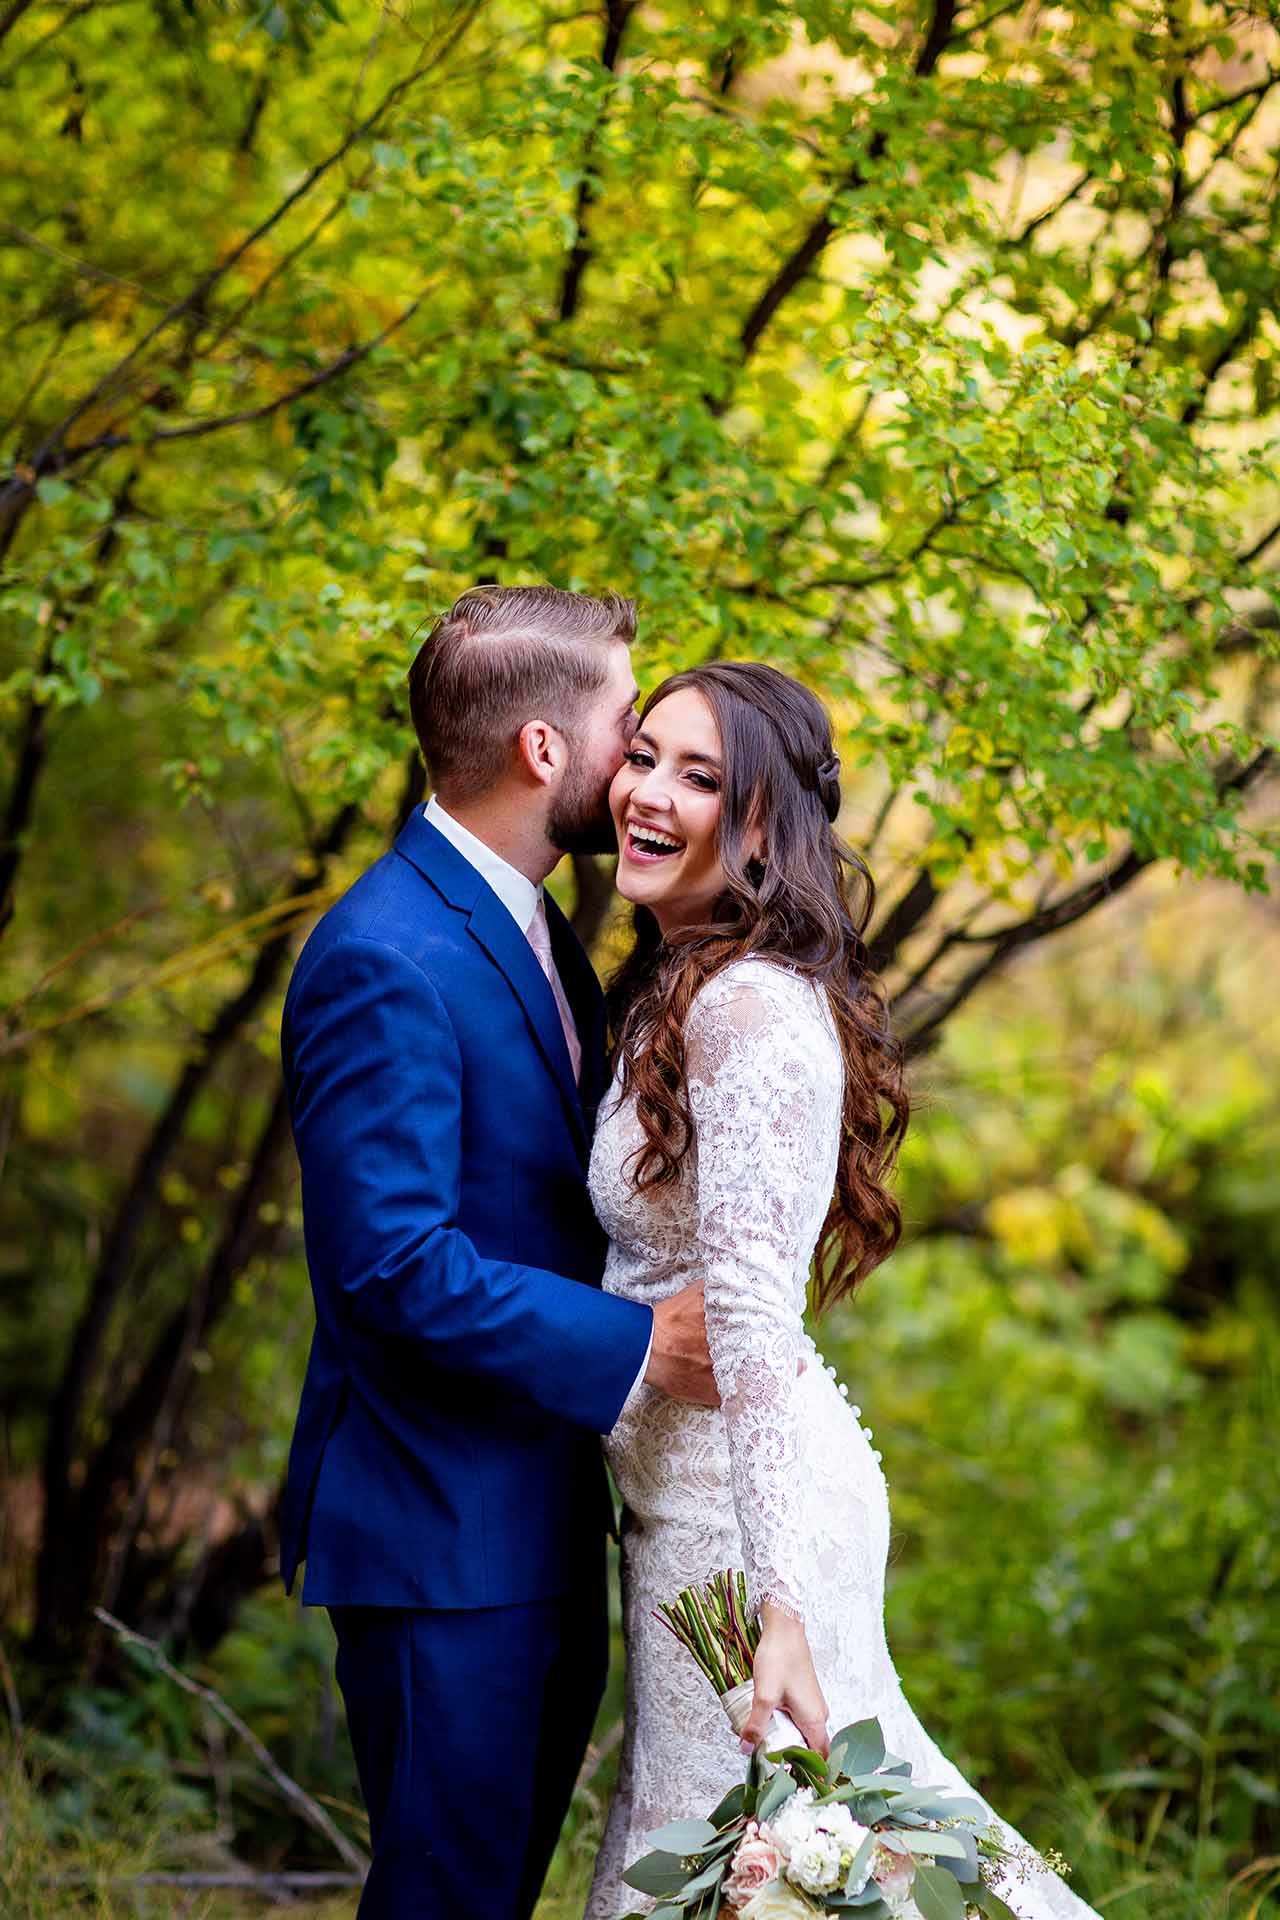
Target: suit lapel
x,y
586,1002
492,926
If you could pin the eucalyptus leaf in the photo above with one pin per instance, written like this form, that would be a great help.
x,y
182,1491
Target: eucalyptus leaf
x,y
858,1748
916,1800
938,1844
732,1807
963,1807
657,1874
804,1757
709,1877
965,1867
780,1788
682,1836
855,1879
984,1896
937,1894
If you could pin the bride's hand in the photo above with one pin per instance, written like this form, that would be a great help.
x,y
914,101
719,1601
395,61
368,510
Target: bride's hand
x,y
784,1677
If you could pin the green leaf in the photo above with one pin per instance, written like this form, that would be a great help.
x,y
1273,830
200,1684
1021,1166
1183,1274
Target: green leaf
x,y
857,1749
657,1874
732,1807
682,1837
810,1766
937,1894
857,1866
780,1788
938,1844
966,1869
985,1897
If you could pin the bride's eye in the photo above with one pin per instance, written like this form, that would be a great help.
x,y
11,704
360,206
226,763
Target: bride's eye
x,y
704,783
639,758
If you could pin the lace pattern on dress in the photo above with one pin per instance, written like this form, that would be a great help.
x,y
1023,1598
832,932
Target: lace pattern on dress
x,y
761,1107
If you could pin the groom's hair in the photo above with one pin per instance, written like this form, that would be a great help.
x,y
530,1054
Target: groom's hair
x,y
500,657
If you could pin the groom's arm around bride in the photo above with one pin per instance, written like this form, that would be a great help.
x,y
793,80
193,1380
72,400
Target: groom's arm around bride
x,y
443,1046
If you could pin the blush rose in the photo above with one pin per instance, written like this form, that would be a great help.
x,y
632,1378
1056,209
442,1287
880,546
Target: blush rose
x,y
756,1862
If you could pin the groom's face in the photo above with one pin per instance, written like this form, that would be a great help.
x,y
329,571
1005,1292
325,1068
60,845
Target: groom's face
x,y
580,820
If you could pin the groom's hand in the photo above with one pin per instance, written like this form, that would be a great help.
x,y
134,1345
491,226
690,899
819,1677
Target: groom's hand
x,y
679,1364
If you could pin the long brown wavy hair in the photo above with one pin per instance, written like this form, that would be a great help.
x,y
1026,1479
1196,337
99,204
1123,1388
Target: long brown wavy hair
x,y
807,904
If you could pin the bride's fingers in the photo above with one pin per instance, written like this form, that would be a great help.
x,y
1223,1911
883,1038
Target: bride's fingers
x,y
816,1735
757,1727
811,1715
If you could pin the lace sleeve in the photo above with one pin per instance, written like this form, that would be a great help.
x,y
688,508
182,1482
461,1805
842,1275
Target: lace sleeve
x,y
760,1094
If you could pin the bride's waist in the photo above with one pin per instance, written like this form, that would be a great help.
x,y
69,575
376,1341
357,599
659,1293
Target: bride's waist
x,y
665,1454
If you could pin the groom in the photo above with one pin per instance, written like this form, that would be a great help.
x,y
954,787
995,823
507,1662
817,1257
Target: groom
x,y
444,1055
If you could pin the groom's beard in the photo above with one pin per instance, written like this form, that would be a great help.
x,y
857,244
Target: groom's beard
x,y
580,820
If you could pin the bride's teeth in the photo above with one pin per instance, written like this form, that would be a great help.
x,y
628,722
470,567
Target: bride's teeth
x,y
651,841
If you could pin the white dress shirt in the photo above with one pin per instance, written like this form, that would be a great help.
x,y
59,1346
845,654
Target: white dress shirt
x,y
517,894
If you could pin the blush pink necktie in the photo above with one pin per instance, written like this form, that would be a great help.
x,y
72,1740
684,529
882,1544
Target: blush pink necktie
x,y
539,937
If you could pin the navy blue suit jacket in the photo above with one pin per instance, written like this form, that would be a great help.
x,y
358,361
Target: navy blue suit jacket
x,y
465,1360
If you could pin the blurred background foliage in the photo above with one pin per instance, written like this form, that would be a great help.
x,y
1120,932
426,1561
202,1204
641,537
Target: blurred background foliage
x,y
927,350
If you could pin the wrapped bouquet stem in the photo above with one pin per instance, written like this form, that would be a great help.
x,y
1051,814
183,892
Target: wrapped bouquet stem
x,y
715,1626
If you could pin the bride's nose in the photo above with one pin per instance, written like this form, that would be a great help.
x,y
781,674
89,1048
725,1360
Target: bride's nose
x,y
652,790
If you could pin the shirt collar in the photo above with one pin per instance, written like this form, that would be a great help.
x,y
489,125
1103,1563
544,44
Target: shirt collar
x,y
515,890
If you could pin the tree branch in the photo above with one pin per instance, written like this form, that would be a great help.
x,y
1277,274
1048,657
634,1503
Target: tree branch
x,y
617,15
18,490
33,735
308,1809
1236,777
1269,80
11,16
146,1420
199,429
911,911
266,1886
195,299
801,260
131,1214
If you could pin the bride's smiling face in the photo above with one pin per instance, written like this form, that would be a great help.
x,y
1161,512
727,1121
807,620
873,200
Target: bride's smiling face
x,y
666,804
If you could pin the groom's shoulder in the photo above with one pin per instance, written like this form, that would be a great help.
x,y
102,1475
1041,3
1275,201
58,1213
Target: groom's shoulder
x,y
394,907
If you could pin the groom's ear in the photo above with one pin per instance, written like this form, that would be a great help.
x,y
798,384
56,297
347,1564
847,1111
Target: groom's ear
x,y
540,751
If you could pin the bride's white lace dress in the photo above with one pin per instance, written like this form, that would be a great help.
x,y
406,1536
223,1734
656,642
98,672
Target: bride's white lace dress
x,y
782,1480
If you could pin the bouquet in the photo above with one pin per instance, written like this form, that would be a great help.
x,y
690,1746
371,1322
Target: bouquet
x,y
852,1834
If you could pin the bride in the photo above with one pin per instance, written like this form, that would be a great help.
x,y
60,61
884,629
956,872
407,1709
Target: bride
x,y
755,1071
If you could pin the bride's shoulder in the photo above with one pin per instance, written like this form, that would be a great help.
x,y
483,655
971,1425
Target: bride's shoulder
x,y
754,993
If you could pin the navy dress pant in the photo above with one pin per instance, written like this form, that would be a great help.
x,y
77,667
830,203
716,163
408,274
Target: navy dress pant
x,y
469,1728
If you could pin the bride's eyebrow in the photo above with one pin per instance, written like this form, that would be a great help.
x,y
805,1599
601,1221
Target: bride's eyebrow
x,y
642,739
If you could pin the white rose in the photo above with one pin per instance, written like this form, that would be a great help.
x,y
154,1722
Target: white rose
x,y
817,1843
815,1863
841,1825
793,1823
776,1902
